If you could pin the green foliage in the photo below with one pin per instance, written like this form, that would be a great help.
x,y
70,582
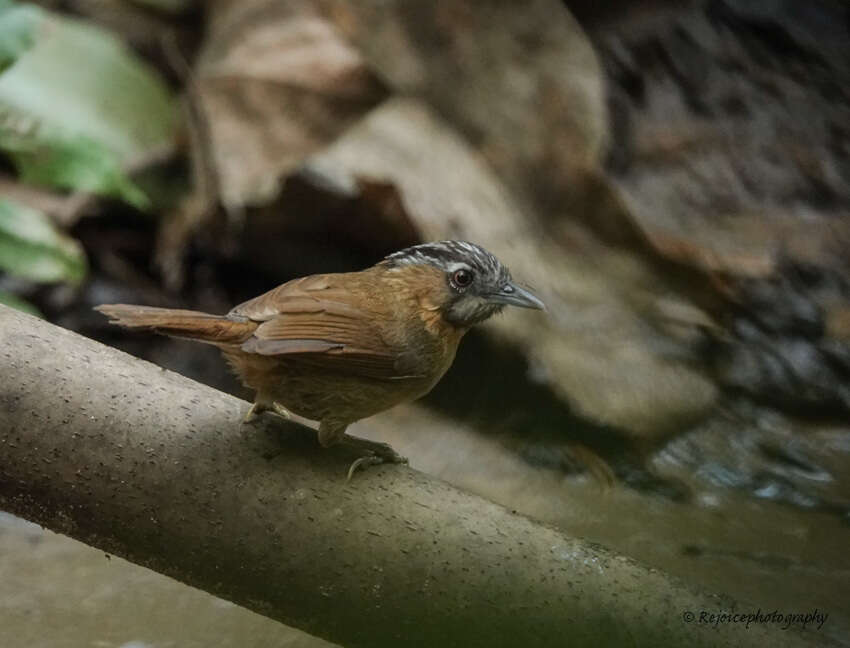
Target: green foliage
x,y
76,106
17,23
31,246
74,162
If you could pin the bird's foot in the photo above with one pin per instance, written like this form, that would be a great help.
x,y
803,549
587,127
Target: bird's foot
x,y
258,409
376,453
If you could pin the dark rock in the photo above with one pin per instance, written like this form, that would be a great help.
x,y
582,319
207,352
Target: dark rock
x,y
837,353
753,449
792,374
780,307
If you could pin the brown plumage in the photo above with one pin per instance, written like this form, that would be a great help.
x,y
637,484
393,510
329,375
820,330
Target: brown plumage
x,y
337,348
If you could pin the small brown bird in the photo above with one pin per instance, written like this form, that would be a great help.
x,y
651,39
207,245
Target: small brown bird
x,y
336,348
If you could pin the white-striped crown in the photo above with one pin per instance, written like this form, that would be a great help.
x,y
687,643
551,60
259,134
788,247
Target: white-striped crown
x,y
451,256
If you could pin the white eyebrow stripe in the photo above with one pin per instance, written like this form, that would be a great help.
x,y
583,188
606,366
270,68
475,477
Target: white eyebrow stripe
x,y
458,265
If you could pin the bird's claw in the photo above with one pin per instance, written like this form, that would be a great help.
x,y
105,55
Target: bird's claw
x,y
252,415
368,460
258,409
374,458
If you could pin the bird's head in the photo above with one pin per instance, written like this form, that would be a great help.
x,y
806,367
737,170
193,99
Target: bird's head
x,y
477,284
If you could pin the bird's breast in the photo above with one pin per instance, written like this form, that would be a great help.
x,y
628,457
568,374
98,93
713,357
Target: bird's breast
x,y
412,300
428,348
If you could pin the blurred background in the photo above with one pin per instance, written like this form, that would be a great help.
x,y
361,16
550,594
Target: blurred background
x,y
672,178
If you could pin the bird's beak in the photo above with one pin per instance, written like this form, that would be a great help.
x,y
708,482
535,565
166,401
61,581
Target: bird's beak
x,y
515,295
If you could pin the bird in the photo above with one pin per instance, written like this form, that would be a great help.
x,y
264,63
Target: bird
x,y
336,348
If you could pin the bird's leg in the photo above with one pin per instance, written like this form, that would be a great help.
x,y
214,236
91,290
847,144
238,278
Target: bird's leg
x,y
376,452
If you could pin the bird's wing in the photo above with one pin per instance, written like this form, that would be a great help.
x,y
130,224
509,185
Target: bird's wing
x,y
313,320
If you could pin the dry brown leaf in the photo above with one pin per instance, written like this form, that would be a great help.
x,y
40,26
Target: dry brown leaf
x,y
519,79
276,81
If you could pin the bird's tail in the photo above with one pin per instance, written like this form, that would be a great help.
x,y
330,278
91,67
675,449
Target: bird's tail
x,y
194,325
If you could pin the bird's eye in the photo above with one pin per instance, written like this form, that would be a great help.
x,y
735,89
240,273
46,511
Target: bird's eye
x,y
462,278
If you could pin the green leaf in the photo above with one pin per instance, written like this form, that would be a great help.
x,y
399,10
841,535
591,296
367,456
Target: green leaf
x,y
13,301
77,163
32,247
17,27
77,106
